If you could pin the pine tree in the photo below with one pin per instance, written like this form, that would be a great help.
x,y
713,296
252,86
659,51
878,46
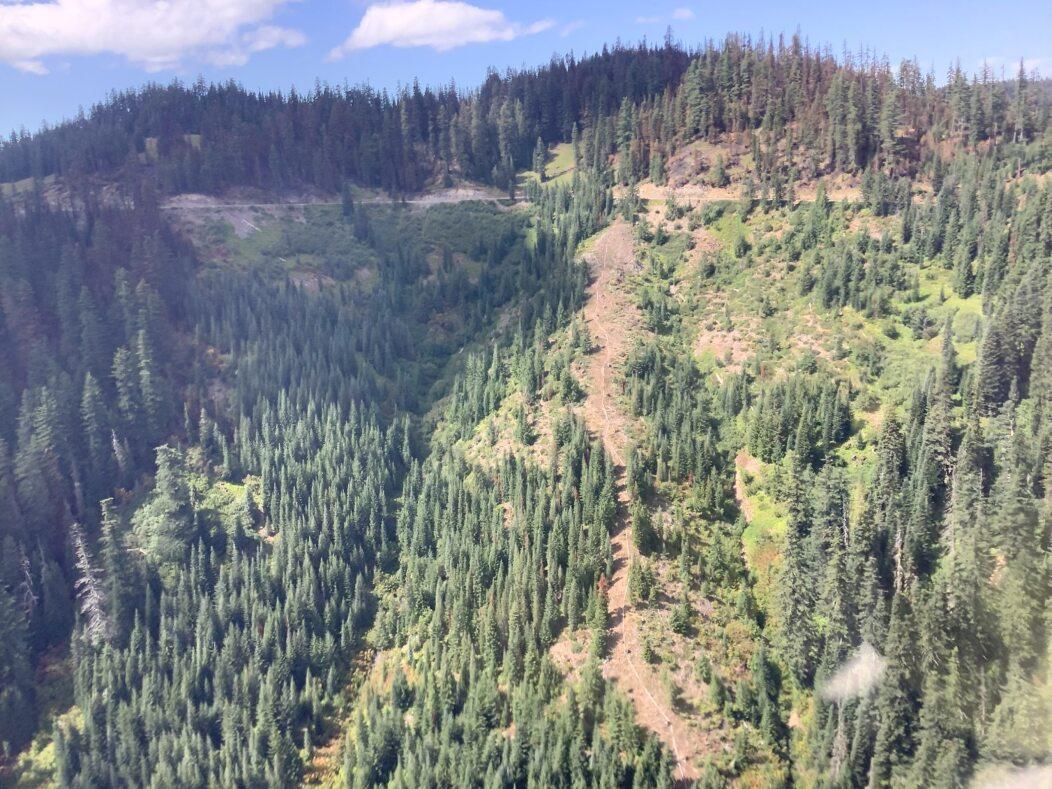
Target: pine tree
x,y
540,156
1014,734
151,387
166,525
117,574
897,698
129,396
798,583
17,708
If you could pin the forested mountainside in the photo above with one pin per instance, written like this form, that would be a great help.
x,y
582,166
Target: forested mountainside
x,y
724,456
807,114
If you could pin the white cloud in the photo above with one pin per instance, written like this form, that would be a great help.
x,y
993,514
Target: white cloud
x,y
258,40
153,34
271,36
30,66
571,27
439,24
681,14
1010,66
1040,65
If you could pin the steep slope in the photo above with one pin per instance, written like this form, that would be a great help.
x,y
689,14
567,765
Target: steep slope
x,y
614,323
844,352
279,469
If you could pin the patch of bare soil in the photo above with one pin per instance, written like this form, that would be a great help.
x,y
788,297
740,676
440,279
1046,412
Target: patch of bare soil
x,y
57,194
613,320
690,175
705,242
734,343
689,193
463,193
731,343
816,336
245,212
730,347
676,658
837,189
874,226
497,438
241,207
570,652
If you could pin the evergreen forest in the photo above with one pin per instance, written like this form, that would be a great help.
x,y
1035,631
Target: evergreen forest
x,y
666,416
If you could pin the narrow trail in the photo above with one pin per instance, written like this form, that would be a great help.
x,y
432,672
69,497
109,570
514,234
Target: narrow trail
x,y
610,316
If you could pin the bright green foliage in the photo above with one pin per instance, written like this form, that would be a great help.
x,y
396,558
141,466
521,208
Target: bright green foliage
x,y
226,474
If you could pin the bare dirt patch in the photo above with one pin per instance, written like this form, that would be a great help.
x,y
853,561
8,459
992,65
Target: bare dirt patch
x,y
242,208
690,172
570,652
458,194
325,763
689,193
809,335
496,437
705,241
731,347
874,226
838,189
245,212
613,321
731,342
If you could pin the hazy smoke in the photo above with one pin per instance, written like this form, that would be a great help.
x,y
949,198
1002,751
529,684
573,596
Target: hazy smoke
x,y
1037,777
855,678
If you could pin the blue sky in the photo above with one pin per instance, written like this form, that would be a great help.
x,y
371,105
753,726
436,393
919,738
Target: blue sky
x,y
58,55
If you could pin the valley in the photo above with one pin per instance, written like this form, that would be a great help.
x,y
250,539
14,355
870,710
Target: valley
x,y
583,430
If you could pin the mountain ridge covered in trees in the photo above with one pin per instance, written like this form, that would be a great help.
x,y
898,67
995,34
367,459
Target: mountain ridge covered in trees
x,y
285,533
850,112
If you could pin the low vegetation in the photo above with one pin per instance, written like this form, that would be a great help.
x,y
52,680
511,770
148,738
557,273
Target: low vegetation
x,y
335,490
